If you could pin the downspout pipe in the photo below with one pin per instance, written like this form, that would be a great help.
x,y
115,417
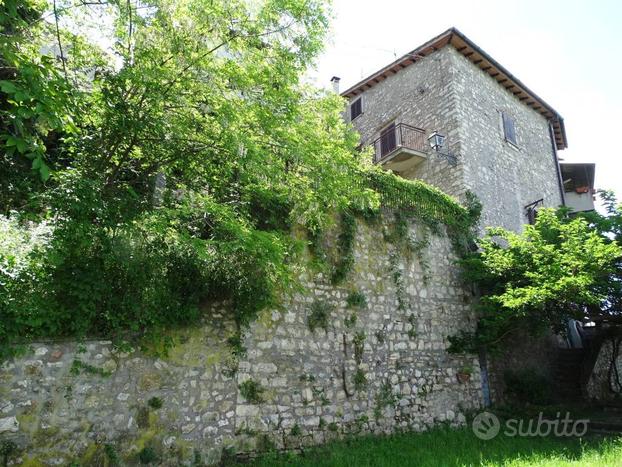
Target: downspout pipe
x,y
557,168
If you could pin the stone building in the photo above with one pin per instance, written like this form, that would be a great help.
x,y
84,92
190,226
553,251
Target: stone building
x,y
377,364
494,136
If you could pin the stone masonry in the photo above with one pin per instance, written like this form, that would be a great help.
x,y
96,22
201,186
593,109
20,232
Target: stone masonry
x,y
445,92
390,369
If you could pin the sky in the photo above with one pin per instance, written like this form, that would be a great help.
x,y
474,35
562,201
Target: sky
x,y
568,52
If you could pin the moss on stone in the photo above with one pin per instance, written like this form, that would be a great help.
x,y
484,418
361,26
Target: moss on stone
x,y
32,462
88,456
193,349
43,436
28,422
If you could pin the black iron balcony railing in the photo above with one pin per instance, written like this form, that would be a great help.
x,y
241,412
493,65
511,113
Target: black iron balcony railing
x,y
399,136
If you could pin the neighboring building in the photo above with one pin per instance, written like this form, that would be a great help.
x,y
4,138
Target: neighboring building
x,y
501,139
578,180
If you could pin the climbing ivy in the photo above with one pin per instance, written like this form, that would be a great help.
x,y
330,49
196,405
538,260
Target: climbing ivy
x,y
398,281
345,247
128,257
384,398
359,345
359,379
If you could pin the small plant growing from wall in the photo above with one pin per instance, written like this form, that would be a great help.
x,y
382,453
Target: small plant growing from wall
x,y
319,316
356,300
236,343
345,245
360,380
295,431
398,281
350,321
252,391
306,378
360,423
319,393
384,398
155,403
147,455
380,336
359,346
78,367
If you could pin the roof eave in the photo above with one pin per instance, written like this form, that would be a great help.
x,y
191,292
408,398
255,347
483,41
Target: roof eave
x,y
480,58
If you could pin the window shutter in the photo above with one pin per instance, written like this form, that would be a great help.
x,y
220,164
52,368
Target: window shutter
x,y
509,130
356,108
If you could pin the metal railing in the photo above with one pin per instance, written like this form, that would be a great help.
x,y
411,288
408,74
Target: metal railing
x,y
399,136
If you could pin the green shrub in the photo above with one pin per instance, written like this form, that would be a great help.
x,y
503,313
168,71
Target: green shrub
x,y
295,431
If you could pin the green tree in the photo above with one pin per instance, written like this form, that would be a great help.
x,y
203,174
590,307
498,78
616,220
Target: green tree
x,y
170,145
559,268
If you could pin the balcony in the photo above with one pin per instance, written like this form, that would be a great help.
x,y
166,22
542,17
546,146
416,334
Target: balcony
x,y
401,147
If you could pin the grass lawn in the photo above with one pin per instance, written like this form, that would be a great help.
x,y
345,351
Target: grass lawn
x,y
444,447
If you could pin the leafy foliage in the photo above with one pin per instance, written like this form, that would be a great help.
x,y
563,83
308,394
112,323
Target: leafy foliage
x,y
359,345
155,403
319,315
345,246
562,267
167,170
252,391
356,299
360,380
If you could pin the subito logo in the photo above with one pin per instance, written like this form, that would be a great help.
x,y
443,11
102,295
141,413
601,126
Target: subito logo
x,y
486,426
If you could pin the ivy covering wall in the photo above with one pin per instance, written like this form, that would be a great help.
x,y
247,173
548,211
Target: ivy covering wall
x,y
141,182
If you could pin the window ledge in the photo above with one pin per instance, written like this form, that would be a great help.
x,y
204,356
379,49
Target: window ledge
x,y
356,117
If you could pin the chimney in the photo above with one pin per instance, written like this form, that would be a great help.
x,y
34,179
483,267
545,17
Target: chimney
x,y
335,81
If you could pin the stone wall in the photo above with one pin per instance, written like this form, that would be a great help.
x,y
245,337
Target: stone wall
x,y
389,369
445,92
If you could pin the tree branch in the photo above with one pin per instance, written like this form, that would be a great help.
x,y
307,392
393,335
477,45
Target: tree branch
x,y
60,44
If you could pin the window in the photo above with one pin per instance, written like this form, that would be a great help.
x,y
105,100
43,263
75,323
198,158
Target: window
x,y
356,108
509,129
